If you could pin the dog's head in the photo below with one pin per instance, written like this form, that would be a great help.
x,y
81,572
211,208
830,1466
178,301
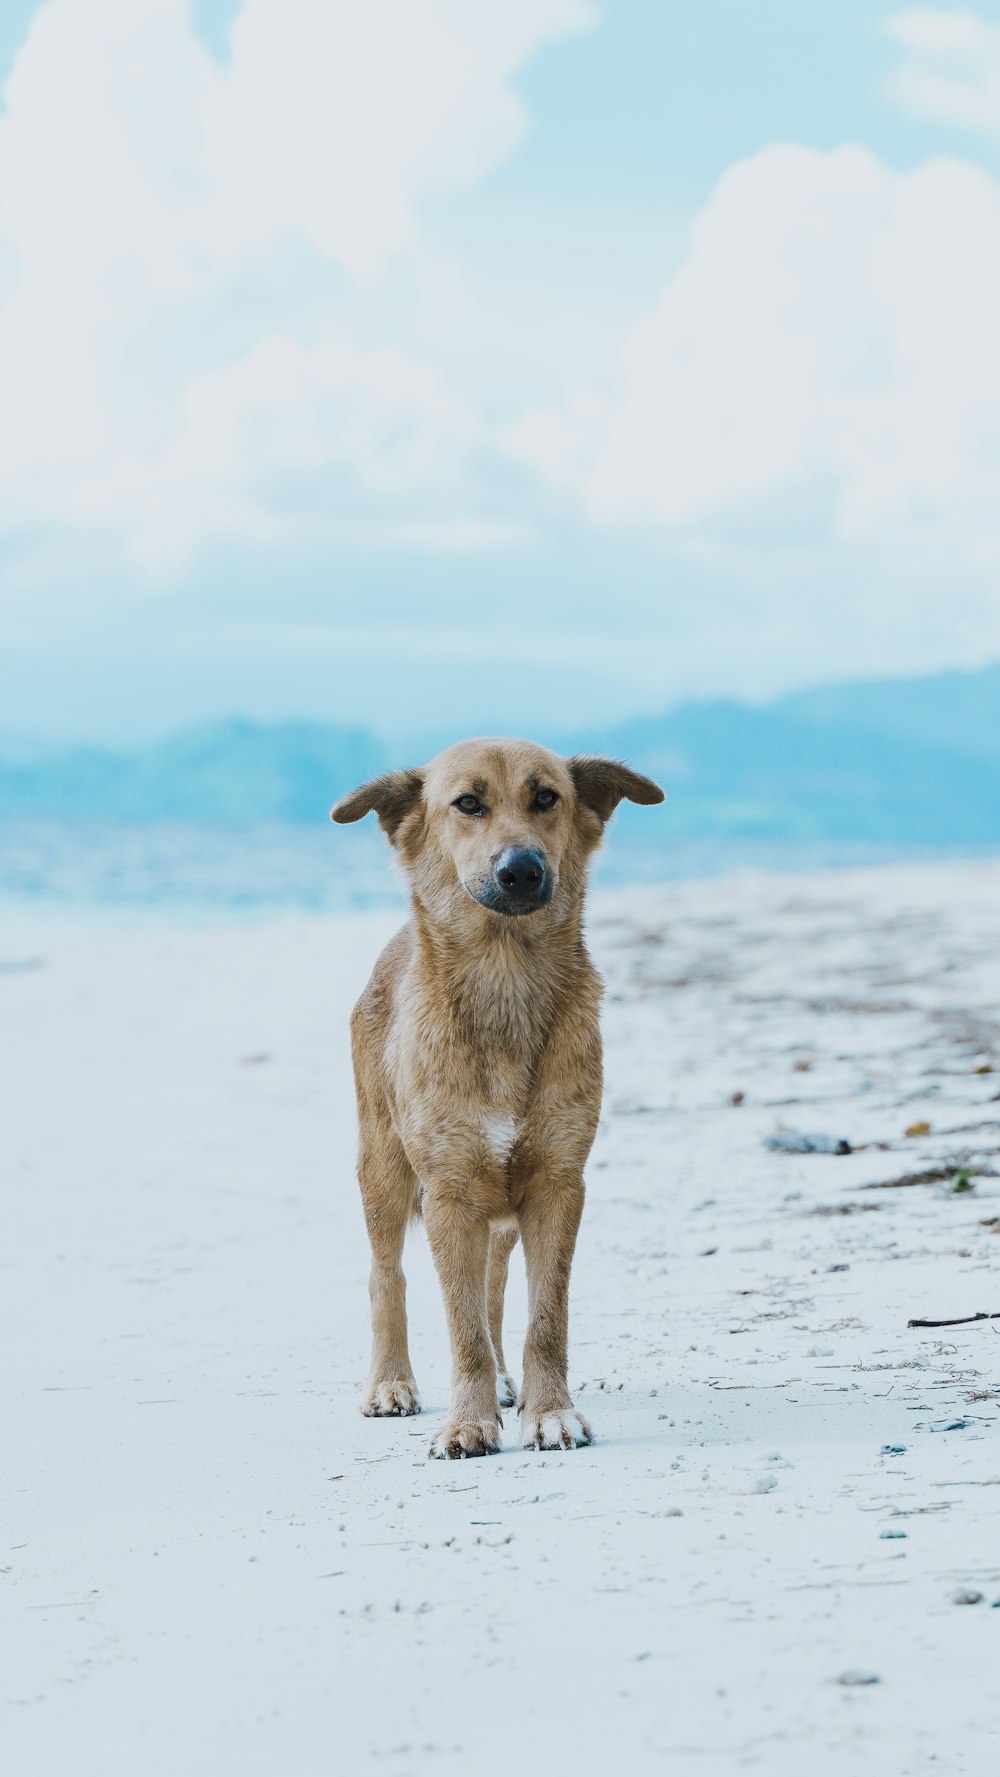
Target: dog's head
x,y
505,824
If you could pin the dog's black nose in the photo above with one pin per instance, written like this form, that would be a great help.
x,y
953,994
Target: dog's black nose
x,y
520,872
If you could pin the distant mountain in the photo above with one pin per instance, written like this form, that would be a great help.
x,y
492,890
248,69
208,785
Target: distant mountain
x,y
960,710
731,770
231,772
914,762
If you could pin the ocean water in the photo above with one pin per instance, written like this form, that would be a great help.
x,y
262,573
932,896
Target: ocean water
x,y
188,869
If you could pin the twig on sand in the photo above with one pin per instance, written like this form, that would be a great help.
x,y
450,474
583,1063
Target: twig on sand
x,y
963,1321
931,1175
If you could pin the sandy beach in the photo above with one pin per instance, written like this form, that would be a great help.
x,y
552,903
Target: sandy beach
x,y
781,1555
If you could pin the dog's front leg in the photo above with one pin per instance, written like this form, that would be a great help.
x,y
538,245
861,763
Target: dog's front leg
x,y
550,1218
459,1233
387,1191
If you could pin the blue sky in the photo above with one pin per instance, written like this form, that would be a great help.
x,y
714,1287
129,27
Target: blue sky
x,y
361,364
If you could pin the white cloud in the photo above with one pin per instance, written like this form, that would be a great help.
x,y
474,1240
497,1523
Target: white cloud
x,y
291,433
950,69
826,359
369,107
211,285
140,181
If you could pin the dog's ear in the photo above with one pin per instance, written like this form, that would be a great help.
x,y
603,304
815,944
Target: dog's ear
x,y
602,783
392,797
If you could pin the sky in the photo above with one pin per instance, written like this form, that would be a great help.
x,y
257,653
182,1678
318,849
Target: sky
x,y
437,360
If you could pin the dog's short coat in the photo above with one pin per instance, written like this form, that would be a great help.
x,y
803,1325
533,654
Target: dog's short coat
x,y
477,1056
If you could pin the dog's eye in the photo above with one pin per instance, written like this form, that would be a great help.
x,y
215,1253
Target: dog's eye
x,y
546,798
469,804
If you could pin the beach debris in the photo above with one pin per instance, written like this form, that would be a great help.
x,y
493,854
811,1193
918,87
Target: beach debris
x,y
254,1060
919,1129
992,1223
892,1536
963,1180
845,1209
946,1174
963,1320
967,1595
737,1097
942,1505
893,1449
857,1677
805,1066
793,1141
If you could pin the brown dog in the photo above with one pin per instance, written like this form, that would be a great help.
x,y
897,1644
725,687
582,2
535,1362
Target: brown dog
x,y
477,1056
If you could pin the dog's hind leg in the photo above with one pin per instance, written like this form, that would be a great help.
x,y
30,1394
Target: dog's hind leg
x,y
388,1190
502,1244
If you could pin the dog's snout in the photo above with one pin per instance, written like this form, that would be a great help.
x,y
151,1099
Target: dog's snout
x,y
520,872
516,880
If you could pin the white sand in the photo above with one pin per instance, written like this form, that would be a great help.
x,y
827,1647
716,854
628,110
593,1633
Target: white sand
x,y
211,1564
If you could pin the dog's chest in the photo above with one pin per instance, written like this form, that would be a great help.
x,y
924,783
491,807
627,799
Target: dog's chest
x,y
501,1133
462,1068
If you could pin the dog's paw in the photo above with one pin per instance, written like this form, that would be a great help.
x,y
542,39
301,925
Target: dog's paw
x,y
506,1391
392,1400
467,1437
555,1431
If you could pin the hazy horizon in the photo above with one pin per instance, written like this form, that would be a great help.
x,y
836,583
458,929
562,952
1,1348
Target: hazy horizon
x,y
572,713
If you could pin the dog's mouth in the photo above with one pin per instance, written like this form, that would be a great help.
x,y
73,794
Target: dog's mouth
x,y
510,903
